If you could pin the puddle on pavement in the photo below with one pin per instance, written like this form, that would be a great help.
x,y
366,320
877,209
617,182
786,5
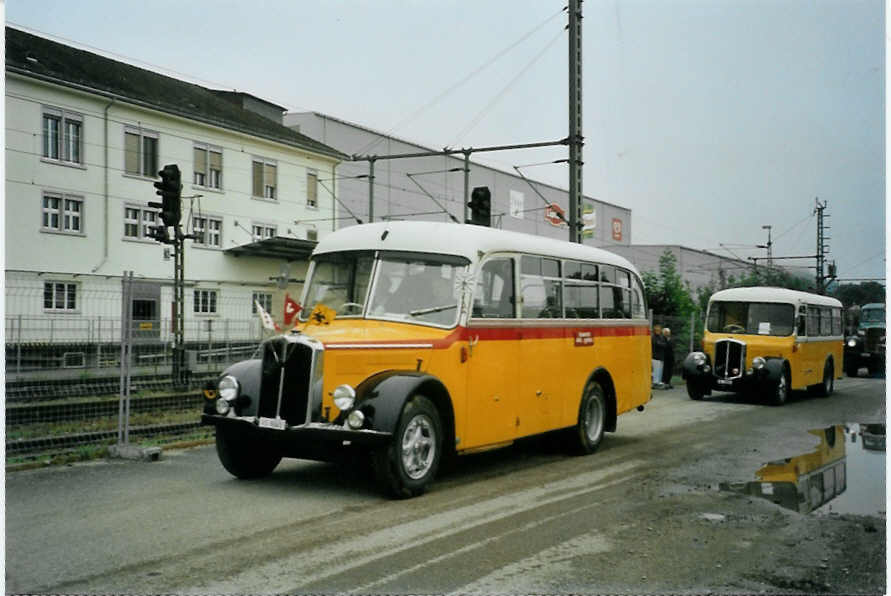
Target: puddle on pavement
x,y
845,473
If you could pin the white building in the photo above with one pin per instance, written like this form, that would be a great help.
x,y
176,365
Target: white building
x,y
85,138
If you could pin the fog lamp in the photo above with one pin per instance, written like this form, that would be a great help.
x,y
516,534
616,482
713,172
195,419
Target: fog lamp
x,y
344,397
735,371
228,388
706,368
356,419
758,362
222,407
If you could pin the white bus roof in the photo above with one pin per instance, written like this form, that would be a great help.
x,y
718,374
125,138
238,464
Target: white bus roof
x,y
470,241
770,294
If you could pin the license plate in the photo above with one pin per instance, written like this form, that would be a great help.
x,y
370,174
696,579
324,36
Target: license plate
x,y
725,382
276,423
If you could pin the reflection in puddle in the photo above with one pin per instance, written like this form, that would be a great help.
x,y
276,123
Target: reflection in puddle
x,y
844,474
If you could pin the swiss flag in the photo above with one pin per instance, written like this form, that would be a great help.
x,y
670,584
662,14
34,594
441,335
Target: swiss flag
x,y
291,309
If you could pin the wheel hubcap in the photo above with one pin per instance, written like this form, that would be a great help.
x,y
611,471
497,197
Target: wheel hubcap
x,y
781,388
418,447
593,418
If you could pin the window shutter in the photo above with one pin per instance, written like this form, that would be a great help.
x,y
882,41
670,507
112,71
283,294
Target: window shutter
x,y
258,179
200,165
131,153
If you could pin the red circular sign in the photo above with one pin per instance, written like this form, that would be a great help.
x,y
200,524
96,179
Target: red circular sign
x,y
555,215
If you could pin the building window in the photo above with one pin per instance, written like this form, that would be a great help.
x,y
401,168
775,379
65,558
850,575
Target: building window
x,y
59,296
312,189
264,179
312,235
265,300
62,136
139,222
208,230
63,213
141,153
208,166
262,232
205,302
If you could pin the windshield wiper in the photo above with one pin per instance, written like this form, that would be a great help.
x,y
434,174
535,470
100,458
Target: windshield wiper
x,y
432,309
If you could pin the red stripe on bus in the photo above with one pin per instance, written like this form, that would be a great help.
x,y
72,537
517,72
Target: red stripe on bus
x,y
505,333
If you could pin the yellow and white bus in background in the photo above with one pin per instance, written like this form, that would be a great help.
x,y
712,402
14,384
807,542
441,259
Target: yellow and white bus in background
x,y
419,339
769,340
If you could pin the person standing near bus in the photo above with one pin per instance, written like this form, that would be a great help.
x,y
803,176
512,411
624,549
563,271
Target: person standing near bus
x,y
658,355
668,360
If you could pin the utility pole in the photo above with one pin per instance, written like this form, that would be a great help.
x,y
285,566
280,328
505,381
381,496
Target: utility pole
x,y
822,247
576,140
768,247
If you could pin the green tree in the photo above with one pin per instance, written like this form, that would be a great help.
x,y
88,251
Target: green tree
x,y
666,292
860,294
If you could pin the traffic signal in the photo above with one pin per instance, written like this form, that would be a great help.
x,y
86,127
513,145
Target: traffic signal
x,y
170,189
480,207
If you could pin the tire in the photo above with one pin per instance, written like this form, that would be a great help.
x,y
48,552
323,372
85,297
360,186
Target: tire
x,y
852,368
591,424
694,390
780,393
826,388
408,465
245,458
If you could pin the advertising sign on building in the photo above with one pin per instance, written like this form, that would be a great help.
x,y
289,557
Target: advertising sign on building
x,y
555,215
589,219
617,229
517,204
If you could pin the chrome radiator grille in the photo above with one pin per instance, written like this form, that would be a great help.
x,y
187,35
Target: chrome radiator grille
x,y
730,358
285,386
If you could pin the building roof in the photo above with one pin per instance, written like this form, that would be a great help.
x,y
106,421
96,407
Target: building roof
x,y
41,58
466,240
279,247
770,294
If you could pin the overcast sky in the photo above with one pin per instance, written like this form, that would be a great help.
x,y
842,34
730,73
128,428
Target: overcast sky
x,y
707,118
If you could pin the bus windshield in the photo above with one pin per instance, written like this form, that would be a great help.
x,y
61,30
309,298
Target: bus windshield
x,y
408,287
873,315
339,281
418,288
752,318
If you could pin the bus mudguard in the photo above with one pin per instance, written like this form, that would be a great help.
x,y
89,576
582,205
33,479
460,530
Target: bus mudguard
x,y
382,396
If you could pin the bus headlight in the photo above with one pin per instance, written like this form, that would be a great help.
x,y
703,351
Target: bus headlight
x,y
222,407
356,419
852,343
344,397
758,362
228,388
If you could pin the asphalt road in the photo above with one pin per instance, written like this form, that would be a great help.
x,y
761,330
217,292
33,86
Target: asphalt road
x,y
643,514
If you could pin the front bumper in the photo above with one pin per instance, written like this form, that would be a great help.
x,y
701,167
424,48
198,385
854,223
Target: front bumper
x,y
312,437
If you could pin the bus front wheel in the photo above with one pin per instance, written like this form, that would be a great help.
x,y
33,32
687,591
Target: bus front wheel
x,y
588,432
408,465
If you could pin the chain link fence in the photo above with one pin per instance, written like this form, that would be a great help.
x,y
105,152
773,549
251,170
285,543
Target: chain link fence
x,y
64,366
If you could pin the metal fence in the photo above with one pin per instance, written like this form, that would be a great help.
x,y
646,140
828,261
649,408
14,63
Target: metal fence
x,y
64,389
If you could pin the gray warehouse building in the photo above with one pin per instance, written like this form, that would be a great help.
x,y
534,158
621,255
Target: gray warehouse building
x,y
515,205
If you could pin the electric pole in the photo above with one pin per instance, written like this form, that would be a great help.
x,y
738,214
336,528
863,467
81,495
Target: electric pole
x,y
576,140
822,247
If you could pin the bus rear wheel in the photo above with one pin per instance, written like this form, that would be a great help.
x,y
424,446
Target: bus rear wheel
x,y
825,388
588,432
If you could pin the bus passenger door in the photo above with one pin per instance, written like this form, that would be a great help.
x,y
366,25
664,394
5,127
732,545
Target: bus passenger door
x,y
493,353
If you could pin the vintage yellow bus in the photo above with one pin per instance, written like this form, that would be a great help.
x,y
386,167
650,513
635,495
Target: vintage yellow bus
x,y
768,340
420,339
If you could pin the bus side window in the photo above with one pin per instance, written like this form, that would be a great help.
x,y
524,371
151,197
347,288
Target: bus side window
x,y
494,294
542,297
802,321
813,321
